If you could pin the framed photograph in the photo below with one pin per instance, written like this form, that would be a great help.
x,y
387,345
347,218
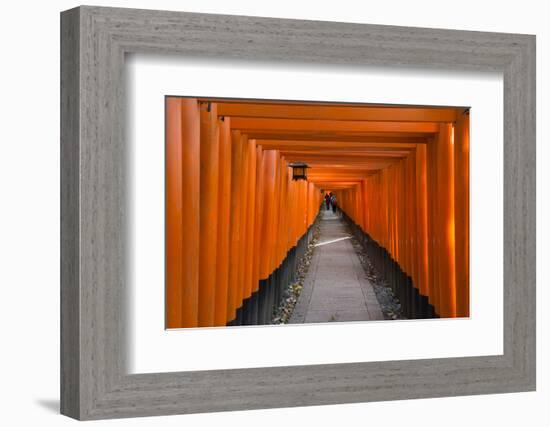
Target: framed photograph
x,y
261,213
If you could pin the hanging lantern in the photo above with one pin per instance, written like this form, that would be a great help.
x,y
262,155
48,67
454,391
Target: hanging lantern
x,y
299,171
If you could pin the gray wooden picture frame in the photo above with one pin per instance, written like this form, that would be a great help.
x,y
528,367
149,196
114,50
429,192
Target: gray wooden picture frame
x,y
94,382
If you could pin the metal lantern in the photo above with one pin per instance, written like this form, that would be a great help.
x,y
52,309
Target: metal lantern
x,y
299,171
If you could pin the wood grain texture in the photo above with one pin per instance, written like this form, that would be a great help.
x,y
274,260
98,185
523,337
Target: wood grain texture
x,y
94,237
70,221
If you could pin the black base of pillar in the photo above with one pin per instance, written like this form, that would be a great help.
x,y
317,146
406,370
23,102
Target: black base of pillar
x,y
259,308
424,306
431,312
239,317
413,304
250,310
262,301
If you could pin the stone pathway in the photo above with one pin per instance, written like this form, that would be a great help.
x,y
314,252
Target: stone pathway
x,y
335,288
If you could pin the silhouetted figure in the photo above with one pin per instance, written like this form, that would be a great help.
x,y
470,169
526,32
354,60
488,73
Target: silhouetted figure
x,y
333,203
327,200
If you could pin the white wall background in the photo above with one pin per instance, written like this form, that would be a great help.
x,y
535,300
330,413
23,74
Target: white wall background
x,y
29,215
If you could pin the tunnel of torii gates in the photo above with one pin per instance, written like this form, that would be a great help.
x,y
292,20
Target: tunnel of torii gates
x,y
236,221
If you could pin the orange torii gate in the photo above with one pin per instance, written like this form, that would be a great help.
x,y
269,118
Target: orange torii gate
x,y
236,221
250,215
414,216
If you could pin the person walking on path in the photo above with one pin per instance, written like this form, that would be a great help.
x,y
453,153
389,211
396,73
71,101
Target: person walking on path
x,y
327,200
333,203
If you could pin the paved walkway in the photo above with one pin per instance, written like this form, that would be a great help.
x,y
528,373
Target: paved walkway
x,y
335,288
